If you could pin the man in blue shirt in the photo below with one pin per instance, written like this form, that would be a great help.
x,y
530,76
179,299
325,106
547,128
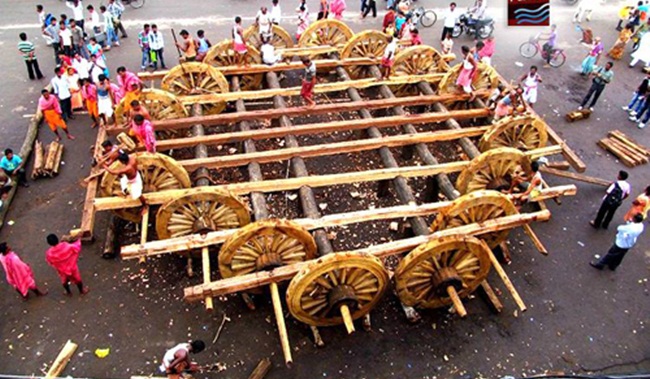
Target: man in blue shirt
x,y
626,237
13,165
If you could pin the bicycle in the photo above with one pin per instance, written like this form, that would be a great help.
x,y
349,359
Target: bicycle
x,y
135,4
532,47
426,17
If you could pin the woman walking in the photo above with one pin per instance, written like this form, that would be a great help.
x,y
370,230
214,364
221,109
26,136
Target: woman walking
x,y
592,57
616,52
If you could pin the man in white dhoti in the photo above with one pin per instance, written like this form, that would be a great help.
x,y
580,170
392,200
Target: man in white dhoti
x,y
643,52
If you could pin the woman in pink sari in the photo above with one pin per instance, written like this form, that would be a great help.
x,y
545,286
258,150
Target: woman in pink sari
x,y
337,7
19,274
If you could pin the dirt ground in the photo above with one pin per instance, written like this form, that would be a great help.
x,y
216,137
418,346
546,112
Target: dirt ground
x,y
579,320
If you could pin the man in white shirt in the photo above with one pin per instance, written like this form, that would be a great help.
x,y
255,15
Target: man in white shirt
x,y
66,39
93,19
626,237
615,194
450,16
276,12
61,89
477,12
81,65
77,12
263,23
116,8
268,53
157,45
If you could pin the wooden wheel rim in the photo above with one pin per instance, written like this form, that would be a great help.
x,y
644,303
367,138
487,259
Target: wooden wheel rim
x,y
281,38
486,78
368,44
467,256
416,60
223,55
474,207
493,166
308,291
196,78
159,172
520,132
286,239
162,105
326,33
214,210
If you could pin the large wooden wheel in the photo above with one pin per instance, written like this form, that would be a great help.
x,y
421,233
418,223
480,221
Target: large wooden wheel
x,y
345,283
202,212
161,105
485,78
326,33
493,169
196,78
416,60
281,39
476,207
264,245
223,54
425,276
367,44
521,132
159,172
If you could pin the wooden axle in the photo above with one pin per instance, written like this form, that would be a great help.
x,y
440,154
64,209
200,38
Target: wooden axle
x,y
295,91
458,304
198,241
347,318
506,280
263,278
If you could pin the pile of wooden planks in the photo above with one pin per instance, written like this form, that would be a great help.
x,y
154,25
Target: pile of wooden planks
x,y
47,160
627,150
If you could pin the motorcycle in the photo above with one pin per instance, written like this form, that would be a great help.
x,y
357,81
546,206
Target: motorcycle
x,y
482,28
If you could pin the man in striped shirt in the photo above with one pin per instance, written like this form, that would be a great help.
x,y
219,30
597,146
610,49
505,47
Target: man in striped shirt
x,y
26,48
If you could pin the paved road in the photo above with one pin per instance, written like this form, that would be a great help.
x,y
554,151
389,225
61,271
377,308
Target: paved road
x,y
578,320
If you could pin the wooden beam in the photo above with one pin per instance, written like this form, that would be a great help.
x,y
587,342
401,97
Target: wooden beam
x,y
88,213
330,148
295,91
263,278
199,241
262,368
61,360
574,176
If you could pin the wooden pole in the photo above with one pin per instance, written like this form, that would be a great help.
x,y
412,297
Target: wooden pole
x,y
282,328
88,214
574,176
492,296
205,261
61,360
261,369
347,318
506,280
455,299
145,230
536,241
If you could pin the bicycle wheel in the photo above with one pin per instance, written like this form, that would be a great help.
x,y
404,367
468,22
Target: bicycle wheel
x,y
137,3
428,18
558,59
528,50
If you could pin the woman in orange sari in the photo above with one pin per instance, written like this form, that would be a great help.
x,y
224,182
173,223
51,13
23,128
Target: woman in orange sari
x,y
616,52
640,205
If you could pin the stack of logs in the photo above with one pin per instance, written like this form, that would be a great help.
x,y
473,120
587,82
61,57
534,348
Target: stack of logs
x,y
47,161
630,152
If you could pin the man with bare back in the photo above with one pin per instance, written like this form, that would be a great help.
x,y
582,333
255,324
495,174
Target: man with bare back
x,y
130,178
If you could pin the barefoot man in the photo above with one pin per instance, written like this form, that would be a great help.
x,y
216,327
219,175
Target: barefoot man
x,y
63,256
308,82
49,106
130,180
19,274
177,359
142,129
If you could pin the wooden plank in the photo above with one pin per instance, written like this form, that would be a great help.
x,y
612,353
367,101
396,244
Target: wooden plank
x,y
629,141
295,91
561,165
263,278
88,213
57,367
261,369
330,148
603,143
323,127
574,176
156,198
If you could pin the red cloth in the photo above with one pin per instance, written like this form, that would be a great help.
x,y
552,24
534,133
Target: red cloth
x,y
63,257
19,274
307,90
389,18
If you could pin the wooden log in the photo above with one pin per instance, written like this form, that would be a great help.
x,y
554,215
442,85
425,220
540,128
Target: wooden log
x,y
578,115
321,127
575,176
629,141
38,159
263,278
205,261
57,161
261,369
491,296
57,367
455,299
88,213
329,148
198,241
282,328
603,143
506,280
562,165
295,91
629,152
50,156
109,243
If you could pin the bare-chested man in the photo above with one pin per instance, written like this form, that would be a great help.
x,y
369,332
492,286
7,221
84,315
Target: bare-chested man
x,y
177,359
130,178
109,154
137,109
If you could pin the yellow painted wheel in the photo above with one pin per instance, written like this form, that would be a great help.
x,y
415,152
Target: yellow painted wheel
x,y
493,169
281,38
520,132
416,60
367,44
195,78
223,55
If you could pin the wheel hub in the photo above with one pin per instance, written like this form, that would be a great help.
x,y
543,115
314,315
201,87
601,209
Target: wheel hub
x,y
268,261
498,184
339,296
444,278
202,226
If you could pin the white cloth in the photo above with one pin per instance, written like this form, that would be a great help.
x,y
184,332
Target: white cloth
x,y
264,21
66,36
168,358
133,188
41,18
627,234
236,35
530,88
94,19
82,66
60,87
268,54
156,41
389,52
450,17
643,52
77,11
108,21
95,70
623,185
105,105
276,13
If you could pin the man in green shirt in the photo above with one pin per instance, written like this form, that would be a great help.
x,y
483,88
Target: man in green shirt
x,y
27,50
601,77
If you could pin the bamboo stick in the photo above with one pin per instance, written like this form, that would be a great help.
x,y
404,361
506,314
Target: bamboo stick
x,y
347,318
506,280
282,328
61,360
455,299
